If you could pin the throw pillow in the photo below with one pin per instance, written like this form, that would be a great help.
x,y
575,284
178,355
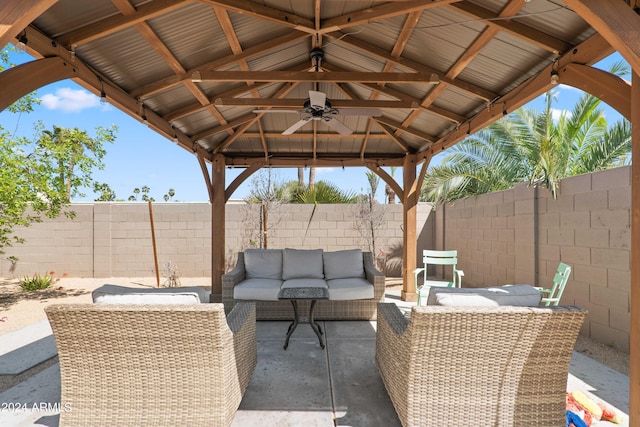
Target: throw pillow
x,y
263,263
343,264
301,263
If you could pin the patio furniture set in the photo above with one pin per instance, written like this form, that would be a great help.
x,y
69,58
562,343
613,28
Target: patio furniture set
x,y
162,357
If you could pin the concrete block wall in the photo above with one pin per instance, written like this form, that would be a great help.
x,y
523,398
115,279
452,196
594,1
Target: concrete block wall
x,y
520,236
483,230
114,239
589,227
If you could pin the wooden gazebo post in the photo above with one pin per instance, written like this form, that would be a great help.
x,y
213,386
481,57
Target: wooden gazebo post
x,y
218,203
409,240
634,330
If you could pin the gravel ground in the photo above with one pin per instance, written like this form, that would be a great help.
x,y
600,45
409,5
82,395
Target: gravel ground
x,y
19,309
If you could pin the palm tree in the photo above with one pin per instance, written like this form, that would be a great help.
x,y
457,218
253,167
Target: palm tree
x,y
527,146
321,192
388,191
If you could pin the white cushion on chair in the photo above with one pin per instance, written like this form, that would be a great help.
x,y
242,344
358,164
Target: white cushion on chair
x,y
342,264
301,264
516,295
115,294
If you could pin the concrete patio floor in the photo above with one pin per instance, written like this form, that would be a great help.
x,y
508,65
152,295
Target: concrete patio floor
x,y
301,386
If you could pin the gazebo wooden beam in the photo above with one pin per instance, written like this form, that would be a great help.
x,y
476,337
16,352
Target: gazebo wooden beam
x,y
43,47
384,159
266,13
258,49
608,87
304,76
513,27
388,179
296,104
616,21
21,80
370,49
385,11
590,51
401,96
16,15
96,30
325,135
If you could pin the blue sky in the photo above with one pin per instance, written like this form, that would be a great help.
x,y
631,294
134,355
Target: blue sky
x,y
141,157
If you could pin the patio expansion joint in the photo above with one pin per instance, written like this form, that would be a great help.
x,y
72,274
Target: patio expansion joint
x,y
329,375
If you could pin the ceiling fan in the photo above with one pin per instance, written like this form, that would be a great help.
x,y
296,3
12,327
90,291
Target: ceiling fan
x,y
318,107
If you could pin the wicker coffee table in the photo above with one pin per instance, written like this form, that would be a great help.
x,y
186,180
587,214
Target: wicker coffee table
x,y
295,294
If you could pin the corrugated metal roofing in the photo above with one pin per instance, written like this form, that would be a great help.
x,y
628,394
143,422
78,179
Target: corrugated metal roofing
x,y
277,36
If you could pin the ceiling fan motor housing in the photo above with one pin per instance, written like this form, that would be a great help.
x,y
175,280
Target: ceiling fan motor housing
x,y
315,111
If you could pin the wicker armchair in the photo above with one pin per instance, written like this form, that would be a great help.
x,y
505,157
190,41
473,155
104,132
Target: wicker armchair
x,y
482,366
134,365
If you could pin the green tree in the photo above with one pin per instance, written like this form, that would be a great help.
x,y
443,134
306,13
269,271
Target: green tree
x,y
74,155
321,192
169,195
527,146
104,192
38,178
32,184
388,191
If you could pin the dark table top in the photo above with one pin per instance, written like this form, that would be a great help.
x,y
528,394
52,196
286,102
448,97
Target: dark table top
x,y
304,293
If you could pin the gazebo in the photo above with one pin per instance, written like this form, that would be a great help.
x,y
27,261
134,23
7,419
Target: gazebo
x,y
276,83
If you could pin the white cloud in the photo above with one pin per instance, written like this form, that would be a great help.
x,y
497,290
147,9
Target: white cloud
x,y
556,113
70,100
325,170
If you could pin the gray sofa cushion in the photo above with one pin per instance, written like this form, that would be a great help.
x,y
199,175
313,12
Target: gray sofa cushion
x,y
302,264
304,283
342,264
350,288
516,295
257,289
116,294
263,263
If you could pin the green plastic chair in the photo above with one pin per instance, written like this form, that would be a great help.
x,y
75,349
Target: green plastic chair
x,y
431,257
560,280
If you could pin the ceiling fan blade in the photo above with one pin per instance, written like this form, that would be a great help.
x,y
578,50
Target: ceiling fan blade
x,y
338,126
317,99
373,112
297,125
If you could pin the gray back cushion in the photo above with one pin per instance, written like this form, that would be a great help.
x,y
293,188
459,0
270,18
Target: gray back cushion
x,y
516,295
300,263
343,264
263,263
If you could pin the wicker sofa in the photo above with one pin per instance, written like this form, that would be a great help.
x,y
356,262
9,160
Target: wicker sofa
x,y
355,286
490,365
154,364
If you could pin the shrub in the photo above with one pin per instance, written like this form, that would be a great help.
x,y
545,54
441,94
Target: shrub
x,y
36,282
